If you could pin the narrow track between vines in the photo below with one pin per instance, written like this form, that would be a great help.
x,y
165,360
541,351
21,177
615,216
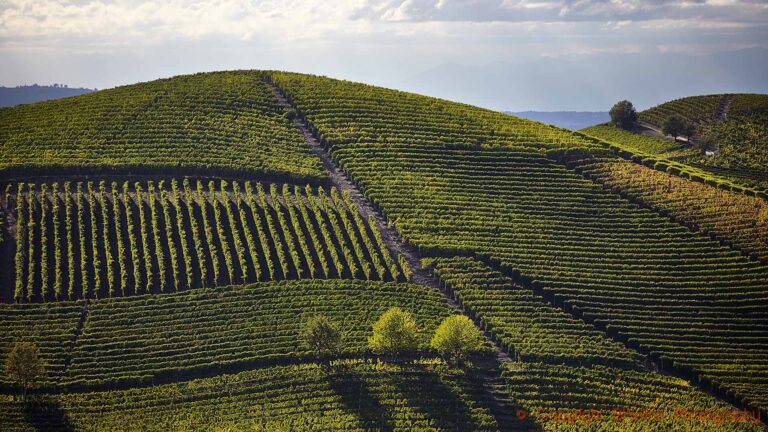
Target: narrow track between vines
x,y
501,407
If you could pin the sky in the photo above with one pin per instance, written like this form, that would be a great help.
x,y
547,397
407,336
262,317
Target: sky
x,y
502,54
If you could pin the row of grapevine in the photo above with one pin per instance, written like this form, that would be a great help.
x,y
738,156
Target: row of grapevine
x,y
356,395
533,330
227,123
594,398
672,293
112,240
229,326
739,219
695,110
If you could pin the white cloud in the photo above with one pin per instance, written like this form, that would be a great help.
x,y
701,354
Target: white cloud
x,y
125,21
107,42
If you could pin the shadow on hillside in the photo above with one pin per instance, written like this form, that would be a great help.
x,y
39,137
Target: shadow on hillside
x,y
430,395
46,415
358,399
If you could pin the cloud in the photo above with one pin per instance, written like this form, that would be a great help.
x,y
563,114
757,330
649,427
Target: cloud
x,y
753,11
125,21
108,42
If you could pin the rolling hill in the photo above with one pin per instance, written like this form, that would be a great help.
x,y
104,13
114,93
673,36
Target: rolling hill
x,y
730,141
165,243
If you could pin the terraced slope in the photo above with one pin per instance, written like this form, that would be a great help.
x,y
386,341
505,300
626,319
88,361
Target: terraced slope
x,y
353,396
553,265
730,141
677,295
603,398
533,329
215,122
737,219
100,239
695,110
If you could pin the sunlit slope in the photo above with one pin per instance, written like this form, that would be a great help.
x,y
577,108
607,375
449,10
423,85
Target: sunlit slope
x,y
108,239
695,109
227,122
131,341
730,139
362,396
676,294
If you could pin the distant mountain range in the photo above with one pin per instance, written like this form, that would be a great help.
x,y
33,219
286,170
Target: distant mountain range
x,y
593,82
10,96
573,120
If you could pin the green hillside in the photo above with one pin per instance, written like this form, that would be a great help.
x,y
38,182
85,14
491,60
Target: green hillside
x,y
166,244
731,139
644,278
215,122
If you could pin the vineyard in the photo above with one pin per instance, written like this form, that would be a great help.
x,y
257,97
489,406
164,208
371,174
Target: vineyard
x,y
96,240
695,110
738,219
221,122
730,140
640,143
268,251
141,338
741,142
673,294
603,398
536,331
355,396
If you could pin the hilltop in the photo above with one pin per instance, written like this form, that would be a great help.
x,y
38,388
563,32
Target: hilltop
x,y
730,139
166,243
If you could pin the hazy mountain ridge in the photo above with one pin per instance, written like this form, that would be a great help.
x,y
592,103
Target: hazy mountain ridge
x,y
593,82
572,120
10,96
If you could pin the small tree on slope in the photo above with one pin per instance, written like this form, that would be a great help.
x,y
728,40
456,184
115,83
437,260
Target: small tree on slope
x,y
321,336
457,337
24,366
394,333
623,115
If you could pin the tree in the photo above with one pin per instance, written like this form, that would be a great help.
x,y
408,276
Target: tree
x,y
321,336
457,337
676,126
394,333
24,366
623,115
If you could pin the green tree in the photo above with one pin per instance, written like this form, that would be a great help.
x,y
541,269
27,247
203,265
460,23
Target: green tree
x,y
394,333
457,337
24,366
676,126
321,336
623,115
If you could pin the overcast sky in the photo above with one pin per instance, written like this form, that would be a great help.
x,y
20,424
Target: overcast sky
x,y
396,43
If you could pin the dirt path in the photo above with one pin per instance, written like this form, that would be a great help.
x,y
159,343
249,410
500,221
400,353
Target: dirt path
x,y
721,112
490,378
